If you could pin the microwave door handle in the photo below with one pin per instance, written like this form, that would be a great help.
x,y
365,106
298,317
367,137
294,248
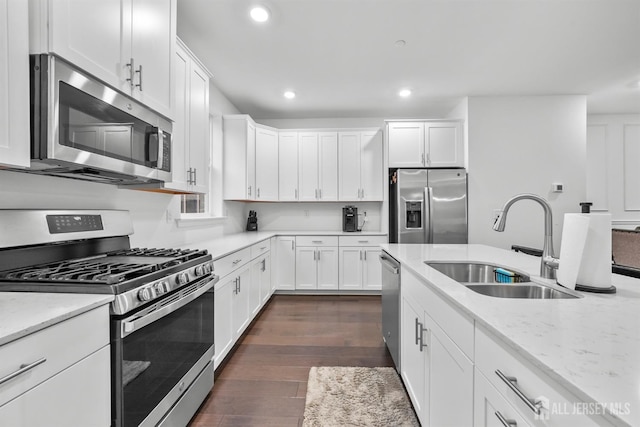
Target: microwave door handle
x,y
160,159
152,139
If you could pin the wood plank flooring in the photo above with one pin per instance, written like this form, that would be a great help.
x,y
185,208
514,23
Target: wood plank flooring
x,y
264,381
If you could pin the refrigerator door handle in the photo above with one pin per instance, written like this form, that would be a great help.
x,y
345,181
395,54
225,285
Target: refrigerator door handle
x,y
428,215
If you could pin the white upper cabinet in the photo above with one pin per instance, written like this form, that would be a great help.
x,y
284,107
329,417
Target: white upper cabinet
x,y
239,166
14,84
360,175
128,44
425,144
266,164
288,166
318,166
191,135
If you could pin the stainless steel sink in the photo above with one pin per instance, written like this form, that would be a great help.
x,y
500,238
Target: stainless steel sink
x,y
481,278
472,272
520,290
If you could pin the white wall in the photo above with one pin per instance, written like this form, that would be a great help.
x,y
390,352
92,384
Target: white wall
x,y
311,216
613,166
523,145
148,209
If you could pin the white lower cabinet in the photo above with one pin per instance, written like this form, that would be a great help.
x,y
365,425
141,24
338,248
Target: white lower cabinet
x,y
317,262
360,267
260,283
285,263
436,372
69,382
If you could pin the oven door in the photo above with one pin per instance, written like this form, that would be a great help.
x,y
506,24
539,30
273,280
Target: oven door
x,y
160,352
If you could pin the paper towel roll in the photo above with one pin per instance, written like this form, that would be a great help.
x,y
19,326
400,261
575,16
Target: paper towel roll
x,y
585,255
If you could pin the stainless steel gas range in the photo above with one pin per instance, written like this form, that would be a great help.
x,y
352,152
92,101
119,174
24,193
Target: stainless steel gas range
x,y
162,315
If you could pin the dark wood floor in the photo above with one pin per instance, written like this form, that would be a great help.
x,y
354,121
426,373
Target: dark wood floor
x,y
264,382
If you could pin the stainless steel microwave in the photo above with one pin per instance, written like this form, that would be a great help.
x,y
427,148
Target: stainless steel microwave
x,y
84,129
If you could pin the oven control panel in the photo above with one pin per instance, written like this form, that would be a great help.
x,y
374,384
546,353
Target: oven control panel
x,y
74,223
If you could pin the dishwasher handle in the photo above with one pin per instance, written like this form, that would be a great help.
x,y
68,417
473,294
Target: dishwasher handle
x,y
390,265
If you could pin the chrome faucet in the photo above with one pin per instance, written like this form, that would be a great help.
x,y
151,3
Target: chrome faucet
x,y
549,262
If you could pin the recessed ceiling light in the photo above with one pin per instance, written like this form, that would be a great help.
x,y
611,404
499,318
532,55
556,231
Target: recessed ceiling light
x,y
405,93
400,43
289,94
259,14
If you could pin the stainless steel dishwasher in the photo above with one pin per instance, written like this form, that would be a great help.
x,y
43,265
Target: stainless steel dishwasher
x,y
391,306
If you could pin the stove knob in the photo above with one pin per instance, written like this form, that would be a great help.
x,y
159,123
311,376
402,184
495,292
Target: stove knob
x,y
159,288
208,268
145,294
199,270
166,285
182,278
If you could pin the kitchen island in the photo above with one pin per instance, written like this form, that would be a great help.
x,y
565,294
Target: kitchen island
x,y
588,346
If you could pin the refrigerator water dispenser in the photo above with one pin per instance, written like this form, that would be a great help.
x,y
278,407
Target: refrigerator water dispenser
x,y
414,214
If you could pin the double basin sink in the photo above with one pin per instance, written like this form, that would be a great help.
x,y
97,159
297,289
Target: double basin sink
x,y
497,281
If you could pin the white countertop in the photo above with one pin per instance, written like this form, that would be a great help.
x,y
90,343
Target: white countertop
x,y
227,244
22,313
589,345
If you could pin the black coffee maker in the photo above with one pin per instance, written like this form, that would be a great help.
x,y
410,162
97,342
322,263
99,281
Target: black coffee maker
x,y
252,221
349,218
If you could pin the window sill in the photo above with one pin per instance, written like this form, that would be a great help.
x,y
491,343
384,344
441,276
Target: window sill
x,y
198,221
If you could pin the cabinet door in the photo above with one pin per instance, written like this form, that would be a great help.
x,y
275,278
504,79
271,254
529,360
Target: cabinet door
x,y
450,376
240,309
308,166
254,289
349,166
265,279
306,268
180,133
78,396
371,171
285,263
489,405
199,129
406,144
153,41
444,144
250,162
413,365
266,165
224,296
327,268
328,166
288,166
351,268
14,83
93,35
372,269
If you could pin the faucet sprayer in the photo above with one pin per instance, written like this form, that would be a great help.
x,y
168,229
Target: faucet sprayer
x,y
549,262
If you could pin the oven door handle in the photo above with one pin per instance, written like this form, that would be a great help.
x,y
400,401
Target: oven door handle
x,y
127,327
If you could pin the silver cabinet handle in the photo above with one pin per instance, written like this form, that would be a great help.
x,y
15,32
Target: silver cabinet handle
x,y
235,286
505,422
422,158
23,368
236,261
365,255
428,159
317,242
264,264
363,241
292,247
130,79
296,193
315,255
139,72
360,255
262,248
258,192
249,190
512,383
417,331
239,284
195,177
421,332
320,191
362,197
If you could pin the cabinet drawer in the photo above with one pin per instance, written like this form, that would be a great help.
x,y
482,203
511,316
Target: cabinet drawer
x,y
60,345
260,248
458,326
227,264
489,405
317,240
362,240
562,407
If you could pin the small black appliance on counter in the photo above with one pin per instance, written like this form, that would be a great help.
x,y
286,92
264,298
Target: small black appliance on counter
x,y
252,221
349,218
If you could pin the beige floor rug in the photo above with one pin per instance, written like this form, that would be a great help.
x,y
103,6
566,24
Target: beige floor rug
x,y
353,396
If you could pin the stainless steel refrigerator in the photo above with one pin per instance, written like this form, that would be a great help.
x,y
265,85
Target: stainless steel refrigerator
x,y
428,206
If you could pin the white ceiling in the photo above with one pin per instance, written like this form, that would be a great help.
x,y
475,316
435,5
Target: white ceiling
x,y
340,56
